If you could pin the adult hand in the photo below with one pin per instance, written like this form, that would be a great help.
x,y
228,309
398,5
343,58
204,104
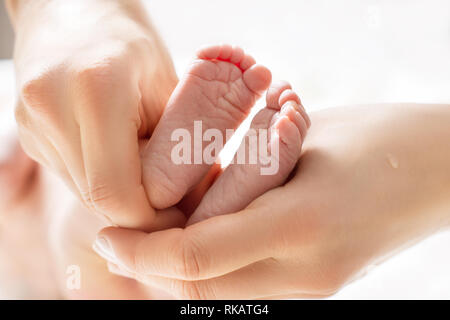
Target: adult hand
x,y
371,180
93,77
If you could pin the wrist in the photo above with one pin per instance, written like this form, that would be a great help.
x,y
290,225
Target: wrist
x,y
40,13
76,26
427,159
17,9
442,116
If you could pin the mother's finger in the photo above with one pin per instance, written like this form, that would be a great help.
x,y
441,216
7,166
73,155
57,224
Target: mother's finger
x,y
109,127
38,146
40,132
212,248
255,281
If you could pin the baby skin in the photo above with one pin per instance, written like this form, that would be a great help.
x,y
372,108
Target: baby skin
x,y
219,89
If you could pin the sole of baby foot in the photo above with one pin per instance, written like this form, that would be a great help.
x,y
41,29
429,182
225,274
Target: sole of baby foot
x,y
285,123
218,90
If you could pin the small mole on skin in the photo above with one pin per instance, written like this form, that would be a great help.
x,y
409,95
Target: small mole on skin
x,y
392,160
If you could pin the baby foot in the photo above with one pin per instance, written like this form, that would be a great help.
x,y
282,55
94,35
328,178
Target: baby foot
x,y
287,123
219,89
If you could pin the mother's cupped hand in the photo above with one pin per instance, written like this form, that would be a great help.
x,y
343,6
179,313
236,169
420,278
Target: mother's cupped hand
x,y
89,89
372,179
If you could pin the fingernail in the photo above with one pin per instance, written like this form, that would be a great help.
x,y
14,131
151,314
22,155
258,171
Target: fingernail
x,y
102,247
116,269
289,105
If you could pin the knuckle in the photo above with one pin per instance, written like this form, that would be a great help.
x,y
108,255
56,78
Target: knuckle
x,y
95,78
35,93
194,290
107,68
100,196
21,116
189,290
192,260
96,83
94,72
41,94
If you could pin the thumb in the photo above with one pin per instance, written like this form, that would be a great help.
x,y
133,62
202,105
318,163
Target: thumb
x,y
119,246
208,249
